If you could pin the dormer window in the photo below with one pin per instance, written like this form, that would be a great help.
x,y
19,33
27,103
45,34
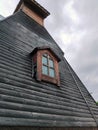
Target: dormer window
x,y
45,65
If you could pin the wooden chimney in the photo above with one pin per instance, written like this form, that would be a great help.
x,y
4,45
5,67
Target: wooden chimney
x,y
33,10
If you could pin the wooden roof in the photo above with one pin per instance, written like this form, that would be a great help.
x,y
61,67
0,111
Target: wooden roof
x,y
26,102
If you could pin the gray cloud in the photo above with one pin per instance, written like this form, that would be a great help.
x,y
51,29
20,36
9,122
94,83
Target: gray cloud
x,y
87,62
74,25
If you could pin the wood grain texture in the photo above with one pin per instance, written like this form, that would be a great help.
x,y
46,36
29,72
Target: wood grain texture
x,y
33,15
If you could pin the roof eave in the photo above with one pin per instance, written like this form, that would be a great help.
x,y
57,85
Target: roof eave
x,y
47,48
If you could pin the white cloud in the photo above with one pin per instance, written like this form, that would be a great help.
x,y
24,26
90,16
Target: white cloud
x,y
68,8
7,7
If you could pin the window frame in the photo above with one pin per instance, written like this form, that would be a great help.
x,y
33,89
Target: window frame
x,y
43,77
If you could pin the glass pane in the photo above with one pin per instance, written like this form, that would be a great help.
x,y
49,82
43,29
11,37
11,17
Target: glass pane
x,y
44,60
51,73
45,70
51,63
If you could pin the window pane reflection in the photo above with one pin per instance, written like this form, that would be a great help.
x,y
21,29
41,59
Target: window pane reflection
x,y
44,60
51,73
45,70
51,63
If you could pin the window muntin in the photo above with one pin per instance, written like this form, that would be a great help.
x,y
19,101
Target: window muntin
x,y
48,66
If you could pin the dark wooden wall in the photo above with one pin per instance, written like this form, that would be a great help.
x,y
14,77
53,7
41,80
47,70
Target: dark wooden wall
x,y
23,100
35,128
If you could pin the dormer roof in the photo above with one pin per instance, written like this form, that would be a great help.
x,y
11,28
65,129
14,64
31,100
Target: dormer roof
x,y
46,48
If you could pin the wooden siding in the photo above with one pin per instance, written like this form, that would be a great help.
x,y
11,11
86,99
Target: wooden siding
x,y
23,100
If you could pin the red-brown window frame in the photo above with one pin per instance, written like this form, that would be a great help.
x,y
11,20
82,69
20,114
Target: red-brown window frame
x,y
40,75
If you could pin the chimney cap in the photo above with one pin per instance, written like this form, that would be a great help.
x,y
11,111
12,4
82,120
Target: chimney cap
x,y
34,6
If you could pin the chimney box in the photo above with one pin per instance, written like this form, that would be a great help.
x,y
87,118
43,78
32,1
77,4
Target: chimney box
x,y
33,10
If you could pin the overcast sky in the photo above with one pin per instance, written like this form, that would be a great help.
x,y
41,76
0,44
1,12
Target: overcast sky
x,y
74,26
